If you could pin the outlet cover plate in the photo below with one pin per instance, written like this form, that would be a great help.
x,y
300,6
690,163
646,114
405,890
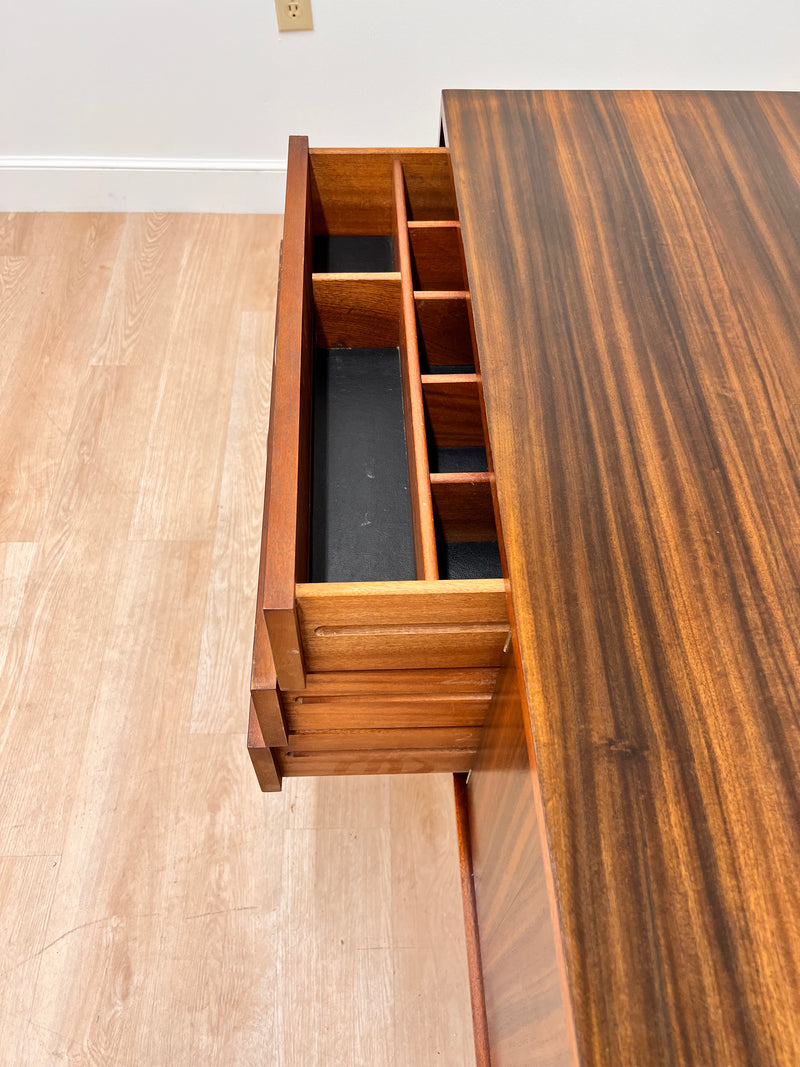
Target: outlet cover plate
x,y
294,15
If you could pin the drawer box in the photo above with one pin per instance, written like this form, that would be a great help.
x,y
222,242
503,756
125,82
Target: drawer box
x,y
380,550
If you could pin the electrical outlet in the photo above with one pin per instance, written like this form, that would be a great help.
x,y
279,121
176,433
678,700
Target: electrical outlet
x,y
294,14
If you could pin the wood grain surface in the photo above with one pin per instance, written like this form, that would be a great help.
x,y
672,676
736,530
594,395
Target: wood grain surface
x,y
357,761
357,310
524,1003
636,312
464,506
351,189
427,566
155,907
287,492
361,699
480,1029
443,331
387,625
453,407
436,256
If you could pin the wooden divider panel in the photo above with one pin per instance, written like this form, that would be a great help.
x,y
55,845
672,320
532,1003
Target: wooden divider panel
x,y
352,189
464,506
436,256
419,478
443,328
452,402
357,310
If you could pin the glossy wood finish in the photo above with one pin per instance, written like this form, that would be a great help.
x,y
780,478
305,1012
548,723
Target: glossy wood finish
x,y
357,310
374,761
480,1029
646,281
419,480
464,506
351,189
362,699
389,625
443,329
436,256
526,1018
452,403
285,538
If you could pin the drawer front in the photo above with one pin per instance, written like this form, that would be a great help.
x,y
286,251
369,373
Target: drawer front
x,y
416,761
375,722
398,700
313,630
396,625
392,740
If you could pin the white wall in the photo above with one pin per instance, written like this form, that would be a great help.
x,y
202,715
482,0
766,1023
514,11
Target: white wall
x,y
187,104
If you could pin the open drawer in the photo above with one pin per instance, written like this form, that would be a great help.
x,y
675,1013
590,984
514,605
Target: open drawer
x,y
380,550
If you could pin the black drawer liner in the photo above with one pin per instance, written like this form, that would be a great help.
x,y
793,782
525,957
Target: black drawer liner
x,y
360,504
437,368
469,559
456,460
348,254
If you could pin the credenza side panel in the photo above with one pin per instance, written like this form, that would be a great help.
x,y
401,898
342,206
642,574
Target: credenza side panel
x,y
522,985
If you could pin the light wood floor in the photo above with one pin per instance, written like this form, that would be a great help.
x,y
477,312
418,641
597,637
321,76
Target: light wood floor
x,y
155,908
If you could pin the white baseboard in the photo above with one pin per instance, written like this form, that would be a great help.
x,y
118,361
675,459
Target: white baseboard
x,y
88,183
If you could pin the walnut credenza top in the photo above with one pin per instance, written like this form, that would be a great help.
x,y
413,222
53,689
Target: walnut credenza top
x,y
634,265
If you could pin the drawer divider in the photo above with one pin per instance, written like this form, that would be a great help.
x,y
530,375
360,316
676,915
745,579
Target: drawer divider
x,y
419,477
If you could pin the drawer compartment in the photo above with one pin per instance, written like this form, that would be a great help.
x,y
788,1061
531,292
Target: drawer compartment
x,y
375,379
360,514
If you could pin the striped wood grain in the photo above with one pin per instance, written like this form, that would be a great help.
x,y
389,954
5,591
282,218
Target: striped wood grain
x,y
638,328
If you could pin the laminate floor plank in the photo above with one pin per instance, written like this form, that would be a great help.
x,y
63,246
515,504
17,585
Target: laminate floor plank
x,y
221,991
46,362
28,881
155,907
337,803
336,933
16,558
142,290
116,893
223,669
184,457
55,651
427,915
17,294
12,226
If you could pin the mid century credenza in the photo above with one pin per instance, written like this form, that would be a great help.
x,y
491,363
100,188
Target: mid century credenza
x,y
532,517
